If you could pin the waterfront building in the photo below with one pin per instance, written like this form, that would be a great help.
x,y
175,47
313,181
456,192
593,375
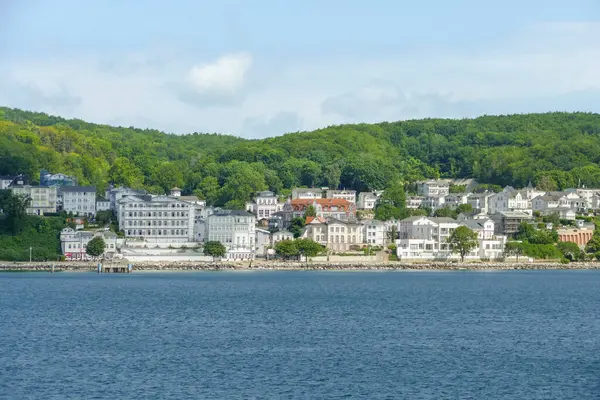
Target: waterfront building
x,y
507,222
114,194
335,234
375,233
236,230
156,219
73,243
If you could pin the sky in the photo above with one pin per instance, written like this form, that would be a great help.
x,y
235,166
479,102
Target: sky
x,y
267,67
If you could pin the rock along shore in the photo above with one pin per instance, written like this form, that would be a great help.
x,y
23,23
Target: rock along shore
x,y
294,266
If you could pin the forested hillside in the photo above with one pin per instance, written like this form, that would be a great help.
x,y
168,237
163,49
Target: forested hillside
x,y
554,150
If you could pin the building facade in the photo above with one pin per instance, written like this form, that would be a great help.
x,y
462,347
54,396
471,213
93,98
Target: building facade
x,y
236,230
348,195
307,193
433,188
44,199
48,179
79,200
368,200
265,205
73,243
156,219
326,208
335,234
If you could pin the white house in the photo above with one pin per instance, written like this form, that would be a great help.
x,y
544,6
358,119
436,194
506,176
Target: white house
x,y
44,199
434,201
73,243
337,235
414,202
79,200
454,200
424,238
307,193
368,200
156,219
480,201
114,194
375,232
348,195
433,188
102,204
236,230
264,205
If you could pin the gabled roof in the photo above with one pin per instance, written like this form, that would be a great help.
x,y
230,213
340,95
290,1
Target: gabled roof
x,y
78,189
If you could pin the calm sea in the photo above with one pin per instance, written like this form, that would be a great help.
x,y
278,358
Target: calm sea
x,y
300,335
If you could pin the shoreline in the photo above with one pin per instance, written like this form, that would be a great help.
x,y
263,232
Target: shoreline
x,y
295,266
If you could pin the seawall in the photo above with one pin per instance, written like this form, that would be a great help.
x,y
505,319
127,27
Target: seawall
x,y
278,265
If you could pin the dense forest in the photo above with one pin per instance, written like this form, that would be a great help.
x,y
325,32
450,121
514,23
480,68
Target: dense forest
x,y
553,150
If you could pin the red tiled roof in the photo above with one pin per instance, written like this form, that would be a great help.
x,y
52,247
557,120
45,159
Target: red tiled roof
x,y
326,204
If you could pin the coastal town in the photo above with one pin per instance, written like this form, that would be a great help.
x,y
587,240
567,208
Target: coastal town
x,y
146,227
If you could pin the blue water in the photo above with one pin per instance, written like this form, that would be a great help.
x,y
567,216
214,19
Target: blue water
x,y
300,335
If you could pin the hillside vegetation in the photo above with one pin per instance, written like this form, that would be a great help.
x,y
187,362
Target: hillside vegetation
x,y
553,150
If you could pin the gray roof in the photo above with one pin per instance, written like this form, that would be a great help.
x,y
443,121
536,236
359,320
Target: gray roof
x,y
308,190
240,213
439,220
78,189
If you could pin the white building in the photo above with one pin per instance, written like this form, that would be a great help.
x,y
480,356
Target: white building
x,y
114,194
336,235
424,238
454,200
375,233
513,200
434,201
433,188
480,201
102,204
264,205
236,230
43,199
79,200
156,219
368,200
73,243
7,181
414,202
307,193
348,195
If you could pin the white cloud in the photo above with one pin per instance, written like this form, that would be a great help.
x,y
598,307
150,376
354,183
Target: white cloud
x,y
545,67
224,75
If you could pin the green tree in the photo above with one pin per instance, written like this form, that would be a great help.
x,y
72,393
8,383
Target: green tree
x,y
296,226
462,241
287,249
95,247
208,189
124,172
593,246
16,212
310,211
309,247
167,175
570,250
104,217
392,234
513,248
215,249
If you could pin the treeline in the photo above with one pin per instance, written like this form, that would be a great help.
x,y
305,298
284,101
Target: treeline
x,y
555,151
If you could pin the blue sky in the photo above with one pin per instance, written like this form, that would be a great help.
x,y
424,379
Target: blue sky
x,y
265,67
